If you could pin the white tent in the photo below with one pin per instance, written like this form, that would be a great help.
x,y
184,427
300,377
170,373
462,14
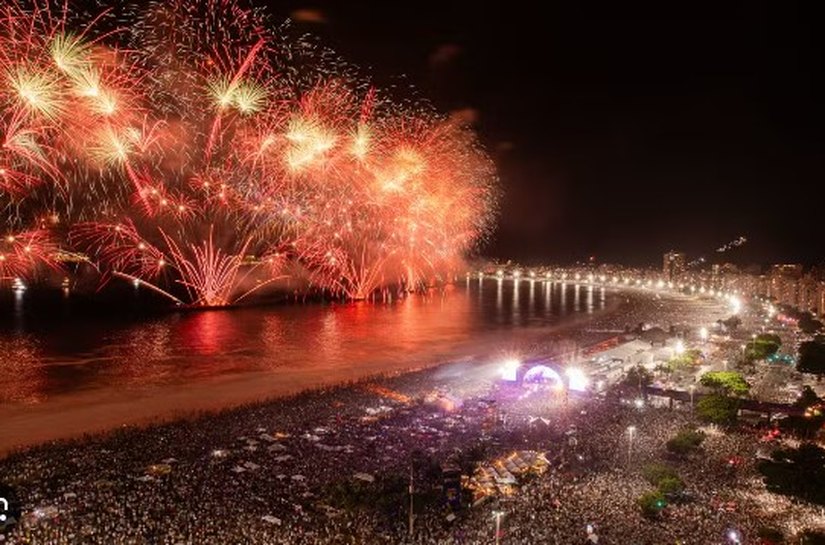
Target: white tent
x,y
364,477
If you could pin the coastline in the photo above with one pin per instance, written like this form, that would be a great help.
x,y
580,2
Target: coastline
x,y
333,462
96,414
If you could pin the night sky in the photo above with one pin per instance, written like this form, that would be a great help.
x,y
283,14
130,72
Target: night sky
x,y
620,130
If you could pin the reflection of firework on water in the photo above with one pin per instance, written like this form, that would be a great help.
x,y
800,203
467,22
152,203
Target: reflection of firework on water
x,y
23,370
212,139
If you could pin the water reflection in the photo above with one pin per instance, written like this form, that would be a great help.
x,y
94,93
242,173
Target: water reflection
x,y
548,298
329,335
23,375
499,297
576,299
563,299
206,333
590,299
532,304
19,323
80,354
516,308
150,351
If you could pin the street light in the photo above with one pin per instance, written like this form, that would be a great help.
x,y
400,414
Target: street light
x,y
498,514
703,334
412,500
631,430
734,537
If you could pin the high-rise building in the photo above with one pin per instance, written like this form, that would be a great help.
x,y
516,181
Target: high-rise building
x,y
810,293
820,305
793,270
784,284
674,265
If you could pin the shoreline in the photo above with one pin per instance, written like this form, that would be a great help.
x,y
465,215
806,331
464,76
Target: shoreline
x,y
331,464
97,414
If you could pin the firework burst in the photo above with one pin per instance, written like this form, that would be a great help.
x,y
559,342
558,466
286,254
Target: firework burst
x,y
372,195
22,255
199,149
179,262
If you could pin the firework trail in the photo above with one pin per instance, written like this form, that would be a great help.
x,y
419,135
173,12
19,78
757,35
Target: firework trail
x,y
21,254
732,244
209,271
198,149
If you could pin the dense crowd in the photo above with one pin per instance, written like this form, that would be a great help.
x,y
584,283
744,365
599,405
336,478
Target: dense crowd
x,y
267,473
333,466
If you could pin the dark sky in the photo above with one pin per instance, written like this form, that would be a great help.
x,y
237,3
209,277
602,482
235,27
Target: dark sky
x,y
620,129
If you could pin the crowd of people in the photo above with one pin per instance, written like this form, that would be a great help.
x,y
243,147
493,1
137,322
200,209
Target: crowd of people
x,y
335,466
273,473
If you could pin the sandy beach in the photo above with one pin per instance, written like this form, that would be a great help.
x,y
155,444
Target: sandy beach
x,y
88,412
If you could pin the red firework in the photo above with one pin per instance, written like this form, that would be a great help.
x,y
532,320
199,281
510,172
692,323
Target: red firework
x,y
374,196
185,267
22,255
214,142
